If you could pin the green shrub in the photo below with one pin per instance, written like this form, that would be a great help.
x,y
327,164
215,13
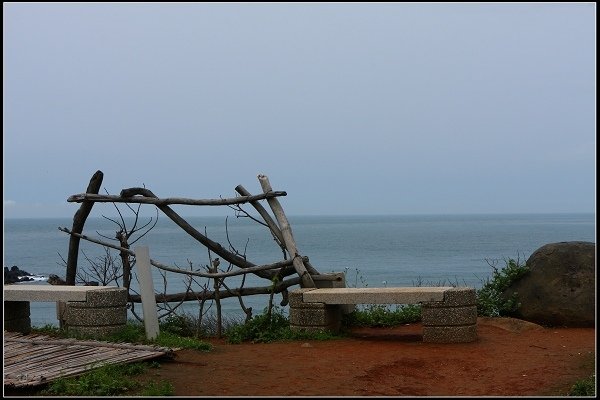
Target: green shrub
x,y
181,325
172,333
375,315
490,301
168,339
268,328
108,380
158,389
134,332
260,328
584,387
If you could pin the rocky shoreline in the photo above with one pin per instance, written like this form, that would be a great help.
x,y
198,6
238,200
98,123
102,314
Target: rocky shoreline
x,y
16,275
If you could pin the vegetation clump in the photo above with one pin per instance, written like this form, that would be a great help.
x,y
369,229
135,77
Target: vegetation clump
x,y
269,327
490,299
134,332
378,315
584,387
110,380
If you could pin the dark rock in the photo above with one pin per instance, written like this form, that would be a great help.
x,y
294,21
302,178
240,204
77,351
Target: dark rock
x,y
559,289
15,275
56,280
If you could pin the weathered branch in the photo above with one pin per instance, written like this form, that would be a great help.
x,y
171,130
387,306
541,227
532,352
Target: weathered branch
x,y
256,268
78,223
281,287
266,217
132,195
286,232
210,295
264,214
210,244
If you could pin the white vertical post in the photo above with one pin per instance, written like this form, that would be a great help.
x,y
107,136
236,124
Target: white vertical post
x,y
142,262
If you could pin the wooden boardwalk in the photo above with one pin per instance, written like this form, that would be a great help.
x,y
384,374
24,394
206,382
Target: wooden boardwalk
x,y
31,360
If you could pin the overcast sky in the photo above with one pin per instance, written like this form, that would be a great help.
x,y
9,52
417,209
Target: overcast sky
x,y
351,108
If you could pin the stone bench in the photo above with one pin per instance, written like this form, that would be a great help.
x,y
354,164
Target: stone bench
x,y
449,314
89,310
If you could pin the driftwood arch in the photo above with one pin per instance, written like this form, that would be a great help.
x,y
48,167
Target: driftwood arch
x,y
294,269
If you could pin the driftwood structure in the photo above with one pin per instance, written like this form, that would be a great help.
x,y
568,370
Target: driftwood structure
x,y
78,223
293,269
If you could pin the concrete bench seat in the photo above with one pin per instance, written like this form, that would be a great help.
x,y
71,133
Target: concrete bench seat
x,y
90,310
449,314
50,292
387,295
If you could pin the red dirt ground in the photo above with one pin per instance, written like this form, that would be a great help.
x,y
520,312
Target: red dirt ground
x,y
510,358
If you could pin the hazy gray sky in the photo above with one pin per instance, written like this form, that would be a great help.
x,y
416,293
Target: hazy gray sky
x,y
352,108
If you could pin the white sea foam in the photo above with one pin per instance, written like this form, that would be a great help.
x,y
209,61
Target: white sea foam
x,y
33,278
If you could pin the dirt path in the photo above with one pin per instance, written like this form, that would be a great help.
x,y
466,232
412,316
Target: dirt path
x,y
511,358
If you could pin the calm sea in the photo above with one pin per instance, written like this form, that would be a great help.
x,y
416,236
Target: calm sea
x,y
372,250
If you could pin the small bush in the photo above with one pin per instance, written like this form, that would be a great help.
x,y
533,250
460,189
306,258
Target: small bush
x,y
584,387
108,380
490,301
132,332
158,389
261,328
377,315
173,333
264,328
181,325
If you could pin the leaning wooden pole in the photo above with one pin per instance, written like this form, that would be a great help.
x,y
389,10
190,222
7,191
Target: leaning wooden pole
x,y
286,231
265,215
78,223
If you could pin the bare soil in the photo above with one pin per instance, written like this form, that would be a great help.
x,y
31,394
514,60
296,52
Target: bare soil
x,y
510,358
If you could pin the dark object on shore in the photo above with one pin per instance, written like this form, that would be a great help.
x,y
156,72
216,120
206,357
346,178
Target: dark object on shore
x,y
15,275
559,289
56,280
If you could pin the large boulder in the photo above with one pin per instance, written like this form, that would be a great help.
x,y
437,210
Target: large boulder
x,y
559,289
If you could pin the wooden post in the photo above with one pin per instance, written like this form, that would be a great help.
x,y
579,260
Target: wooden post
x,y
78,222
216,286
286,231
142,262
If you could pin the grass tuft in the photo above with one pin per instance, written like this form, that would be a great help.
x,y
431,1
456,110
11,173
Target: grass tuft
x,y
378,315
266,328
585,387
107,380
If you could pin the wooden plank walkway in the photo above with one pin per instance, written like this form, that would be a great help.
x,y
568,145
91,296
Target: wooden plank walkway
x,y
32,360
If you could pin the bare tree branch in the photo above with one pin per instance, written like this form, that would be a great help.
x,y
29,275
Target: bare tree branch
x,y
132,195
256,268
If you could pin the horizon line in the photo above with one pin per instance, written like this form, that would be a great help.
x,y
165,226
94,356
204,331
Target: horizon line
x,y
350,215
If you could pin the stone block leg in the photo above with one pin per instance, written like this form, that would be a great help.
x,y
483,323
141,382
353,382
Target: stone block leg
x,y
16,316
104,312
338,282
453,320
313,317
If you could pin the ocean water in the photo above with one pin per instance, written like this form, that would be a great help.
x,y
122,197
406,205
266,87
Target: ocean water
x,y
372,250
